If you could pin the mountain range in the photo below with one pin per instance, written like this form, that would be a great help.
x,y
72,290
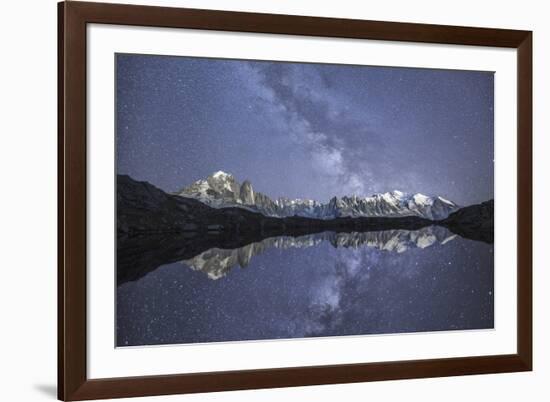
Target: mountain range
x,y
222,190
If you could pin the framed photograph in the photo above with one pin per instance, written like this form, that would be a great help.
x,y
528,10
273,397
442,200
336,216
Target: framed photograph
x,y
253,200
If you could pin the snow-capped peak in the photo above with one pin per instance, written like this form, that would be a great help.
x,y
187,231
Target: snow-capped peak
x,y
221,174
422,199
388,197
222,190
398,194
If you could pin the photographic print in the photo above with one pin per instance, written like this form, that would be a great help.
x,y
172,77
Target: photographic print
x,y
262,200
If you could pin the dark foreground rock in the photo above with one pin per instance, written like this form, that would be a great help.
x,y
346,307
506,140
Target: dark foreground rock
x,y
475,222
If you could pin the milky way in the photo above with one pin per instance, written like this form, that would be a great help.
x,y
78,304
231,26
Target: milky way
x,y
306,130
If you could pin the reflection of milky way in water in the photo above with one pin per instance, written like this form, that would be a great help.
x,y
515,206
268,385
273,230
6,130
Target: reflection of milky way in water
x,y
217,262
380,283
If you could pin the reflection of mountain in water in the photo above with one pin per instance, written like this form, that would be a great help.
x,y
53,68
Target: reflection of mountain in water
x,y
155,228
217,262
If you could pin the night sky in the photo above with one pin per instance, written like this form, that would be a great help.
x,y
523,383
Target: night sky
x,y
306,130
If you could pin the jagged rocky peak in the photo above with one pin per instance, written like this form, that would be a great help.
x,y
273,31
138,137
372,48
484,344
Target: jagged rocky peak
x,y
222,190
247,193
223,182
390,204
217,189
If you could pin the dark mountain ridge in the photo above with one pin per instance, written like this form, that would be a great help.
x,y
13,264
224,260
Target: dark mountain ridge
x,y
144,209
474,222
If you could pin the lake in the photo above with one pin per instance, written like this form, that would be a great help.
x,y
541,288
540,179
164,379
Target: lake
x,y
325,284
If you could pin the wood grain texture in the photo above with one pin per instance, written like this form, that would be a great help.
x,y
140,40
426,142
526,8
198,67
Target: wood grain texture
x,y
525,199
73,383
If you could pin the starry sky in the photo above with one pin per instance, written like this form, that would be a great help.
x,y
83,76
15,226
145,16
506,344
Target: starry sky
x,y
306,130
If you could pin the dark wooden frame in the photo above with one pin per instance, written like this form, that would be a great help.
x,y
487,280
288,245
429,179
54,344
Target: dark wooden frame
x,y
73,383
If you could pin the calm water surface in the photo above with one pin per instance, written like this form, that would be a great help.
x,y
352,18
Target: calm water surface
x,y
318,285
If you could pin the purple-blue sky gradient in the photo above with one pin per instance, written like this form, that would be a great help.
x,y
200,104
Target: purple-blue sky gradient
x,y
306,130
